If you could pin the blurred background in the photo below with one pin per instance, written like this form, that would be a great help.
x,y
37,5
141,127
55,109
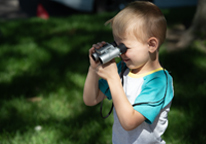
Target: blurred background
x,y
44,61
24,8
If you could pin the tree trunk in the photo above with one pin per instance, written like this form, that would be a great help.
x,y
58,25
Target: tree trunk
x,y
198,27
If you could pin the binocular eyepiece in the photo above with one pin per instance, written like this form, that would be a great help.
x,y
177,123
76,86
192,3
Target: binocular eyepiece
x,y
108,52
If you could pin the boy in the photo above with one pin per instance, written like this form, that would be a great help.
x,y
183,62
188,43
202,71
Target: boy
x,y
141,27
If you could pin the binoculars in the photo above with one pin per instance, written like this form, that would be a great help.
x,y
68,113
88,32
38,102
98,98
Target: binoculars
x,y
108,52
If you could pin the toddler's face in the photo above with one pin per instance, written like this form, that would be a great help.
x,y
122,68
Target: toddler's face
x,y
137,53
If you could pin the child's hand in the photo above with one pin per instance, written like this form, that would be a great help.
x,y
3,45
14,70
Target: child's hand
x,y
108,71
94,64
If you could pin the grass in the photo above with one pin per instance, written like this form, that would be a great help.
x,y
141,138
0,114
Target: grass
x,y
42,71
43,67
187,115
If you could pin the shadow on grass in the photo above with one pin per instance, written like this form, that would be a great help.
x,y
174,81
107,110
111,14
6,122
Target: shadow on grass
x,y
84,127
188,70
45,71
39,61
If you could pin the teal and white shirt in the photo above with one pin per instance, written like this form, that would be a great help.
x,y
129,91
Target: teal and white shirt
x,y
150,87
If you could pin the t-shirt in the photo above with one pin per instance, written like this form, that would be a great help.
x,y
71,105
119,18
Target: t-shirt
x,y
156,89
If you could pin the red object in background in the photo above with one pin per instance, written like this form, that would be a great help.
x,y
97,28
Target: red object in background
x,y
41,12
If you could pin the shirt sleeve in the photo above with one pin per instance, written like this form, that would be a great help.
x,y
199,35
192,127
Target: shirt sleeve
x,y
155,95
103,86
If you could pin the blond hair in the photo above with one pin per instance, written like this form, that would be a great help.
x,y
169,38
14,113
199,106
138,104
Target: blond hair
x,y
142,18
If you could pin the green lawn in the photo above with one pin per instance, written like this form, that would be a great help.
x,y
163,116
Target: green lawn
x,y
43,67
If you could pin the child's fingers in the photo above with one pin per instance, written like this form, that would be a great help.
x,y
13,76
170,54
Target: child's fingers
x,y
91,50
99,44
96,46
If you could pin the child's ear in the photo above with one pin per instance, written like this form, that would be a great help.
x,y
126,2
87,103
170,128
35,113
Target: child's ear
x,y
153,44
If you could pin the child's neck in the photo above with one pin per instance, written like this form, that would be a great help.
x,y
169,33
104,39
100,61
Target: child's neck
x,y
146,68
150,65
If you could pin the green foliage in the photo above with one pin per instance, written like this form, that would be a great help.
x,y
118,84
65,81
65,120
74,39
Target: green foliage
x,y
43,67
